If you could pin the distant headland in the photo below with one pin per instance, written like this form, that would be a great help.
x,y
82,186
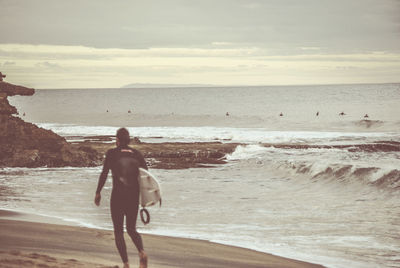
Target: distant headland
x,y
151,85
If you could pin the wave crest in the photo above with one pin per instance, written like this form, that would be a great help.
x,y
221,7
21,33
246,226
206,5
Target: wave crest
x,y
373,176
368,164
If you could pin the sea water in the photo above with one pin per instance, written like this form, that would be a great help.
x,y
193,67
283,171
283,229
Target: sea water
x,y
335,201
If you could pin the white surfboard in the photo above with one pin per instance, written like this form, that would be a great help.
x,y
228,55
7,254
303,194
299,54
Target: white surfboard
x,y
150,191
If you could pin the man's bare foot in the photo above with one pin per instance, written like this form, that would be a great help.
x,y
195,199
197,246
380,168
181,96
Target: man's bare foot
x,y
126,264
143,259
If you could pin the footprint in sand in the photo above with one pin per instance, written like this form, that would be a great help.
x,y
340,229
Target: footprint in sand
x,y
14,252
99,234
42,257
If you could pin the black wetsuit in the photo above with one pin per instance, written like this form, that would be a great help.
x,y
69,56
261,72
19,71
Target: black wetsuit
x,y
124,199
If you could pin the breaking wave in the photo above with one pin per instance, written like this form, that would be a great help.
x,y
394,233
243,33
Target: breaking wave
x,y
227,134
374,176
365,164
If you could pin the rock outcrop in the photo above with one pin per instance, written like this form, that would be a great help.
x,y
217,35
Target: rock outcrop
x,y
174,155
24,144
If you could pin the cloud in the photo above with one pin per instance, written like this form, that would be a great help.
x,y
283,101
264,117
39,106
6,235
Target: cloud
x,y
222,43
49,66
90,53
9,63
252,5
310,48
339,26
141,56
54,43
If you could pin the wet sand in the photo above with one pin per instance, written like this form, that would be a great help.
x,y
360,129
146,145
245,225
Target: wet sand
x,y
35,244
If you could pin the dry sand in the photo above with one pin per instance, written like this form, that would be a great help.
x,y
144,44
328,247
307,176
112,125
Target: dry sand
x,y
33,244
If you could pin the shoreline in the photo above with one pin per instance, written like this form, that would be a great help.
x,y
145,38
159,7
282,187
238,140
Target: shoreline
x,y
26,239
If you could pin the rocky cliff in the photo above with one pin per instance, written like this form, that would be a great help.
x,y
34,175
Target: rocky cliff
x,y
24,144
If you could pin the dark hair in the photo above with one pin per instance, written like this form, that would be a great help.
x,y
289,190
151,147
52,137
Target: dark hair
x,y
123,136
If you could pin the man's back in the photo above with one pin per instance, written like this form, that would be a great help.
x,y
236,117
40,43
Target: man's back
x,y
124,163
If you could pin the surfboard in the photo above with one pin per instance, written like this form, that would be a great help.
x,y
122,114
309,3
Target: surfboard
x,y
150,191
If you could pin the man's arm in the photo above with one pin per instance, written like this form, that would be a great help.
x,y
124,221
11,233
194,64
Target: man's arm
x,y
142,162
102,178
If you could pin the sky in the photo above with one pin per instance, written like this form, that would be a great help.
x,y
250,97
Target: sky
x,y
109,44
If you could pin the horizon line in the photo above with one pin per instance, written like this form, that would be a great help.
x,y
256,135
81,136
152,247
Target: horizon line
x,y
152,86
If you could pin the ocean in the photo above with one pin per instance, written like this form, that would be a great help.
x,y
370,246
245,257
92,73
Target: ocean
x,y
310,184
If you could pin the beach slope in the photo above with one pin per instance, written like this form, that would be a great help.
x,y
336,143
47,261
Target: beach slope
x,y
29,244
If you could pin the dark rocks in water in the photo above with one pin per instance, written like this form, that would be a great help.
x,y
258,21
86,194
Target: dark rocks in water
x,y
136,140
176,155
96,138
378,146
24,144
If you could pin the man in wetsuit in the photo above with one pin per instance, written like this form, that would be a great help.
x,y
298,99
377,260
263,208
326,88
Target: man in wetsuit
x,y
124,163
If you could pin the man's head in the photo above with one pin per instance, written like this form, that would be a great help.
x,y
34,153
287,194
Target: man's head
x,y
123,136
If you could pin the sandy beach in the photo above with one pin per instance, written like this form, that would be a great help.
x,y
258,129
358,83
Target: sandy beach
x,y
33,244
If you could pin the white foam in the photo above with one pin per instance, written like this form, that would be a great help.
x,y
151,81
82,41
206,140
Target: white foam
x,y
246,152
244,135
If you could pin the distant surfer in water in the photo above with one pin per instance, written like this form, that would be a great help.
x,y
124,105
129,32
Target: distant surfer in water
x,y
366,116
317,114
342,113
124,163
281,114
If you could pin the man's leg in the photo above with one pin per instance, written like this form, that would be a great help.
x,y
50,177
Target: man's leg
x,y
117,215
131,217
